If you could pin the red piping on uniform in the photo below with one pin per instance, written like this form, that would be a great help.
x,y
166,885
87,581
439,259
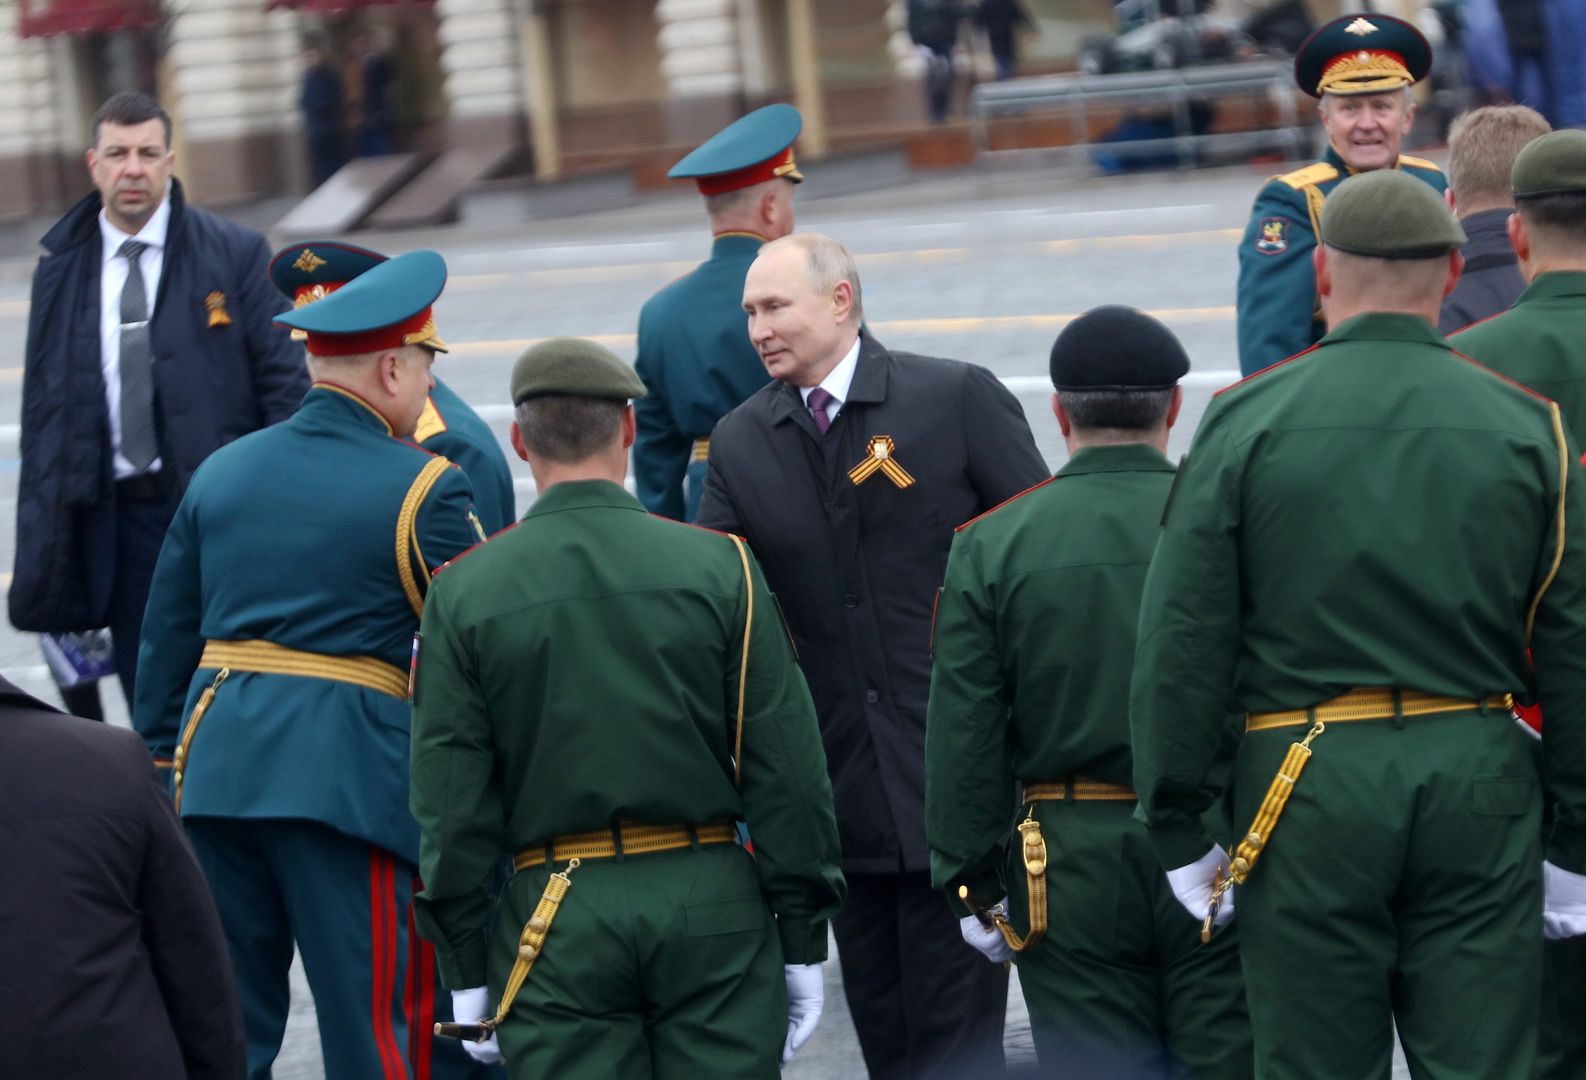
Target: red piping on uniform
x,y
382,914
1004,502
1269,367
421,997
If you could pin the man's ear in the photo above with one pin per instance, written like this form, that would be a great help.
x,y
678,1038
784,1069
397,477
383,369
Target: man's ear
x,y
1456,266
1173,409
1519,239
1324,272
842,301
517,443
1063,423
390,368
630,426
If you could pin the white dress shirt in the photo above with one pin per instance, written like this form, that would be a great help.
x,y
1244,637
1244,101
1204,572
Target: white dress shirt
x,y
836,383
112,279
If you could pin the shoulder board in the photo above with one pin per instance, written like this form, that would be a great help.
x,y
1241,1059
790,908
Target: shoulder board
x,y
1479,322
1005,502
475,547
431,422
1419,163
1311,174
1263,371
707,528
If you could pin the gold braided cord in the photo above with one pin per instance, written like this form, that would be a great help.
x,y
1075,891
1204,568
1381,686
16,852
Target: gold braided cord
x,y
532,940
179,762
635,840
743,667
268,658
1558,544
407,531
1373,703
1080,789
1364,72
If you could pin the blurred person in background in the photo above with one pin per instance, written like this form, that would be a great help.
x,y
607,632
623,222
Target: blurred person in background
x,y
322,102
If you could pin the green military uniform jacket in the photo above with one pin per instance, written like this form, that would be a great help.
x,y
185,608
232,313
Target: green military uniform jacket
x,y
290,536
1278,313
1033,647
450,428
582,669
1540,342
698,365
1379,512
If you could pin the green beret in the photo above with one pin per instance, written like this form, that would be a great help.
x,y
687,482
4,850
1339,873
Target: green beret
x,y
573,367
1388,214
1555,164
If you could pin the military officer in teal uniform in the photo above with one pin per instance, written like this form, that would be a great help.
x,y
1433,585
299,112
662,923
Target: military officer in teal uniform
x,y
1368,550
1361,68
312,271
1540,342
602,693
1034,642
274,669
694,352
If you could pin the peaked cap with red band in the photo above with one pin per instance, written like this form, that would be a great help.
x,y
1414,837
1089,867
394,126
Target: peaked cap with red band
x,y
1362,54
386,306
314,269
749,150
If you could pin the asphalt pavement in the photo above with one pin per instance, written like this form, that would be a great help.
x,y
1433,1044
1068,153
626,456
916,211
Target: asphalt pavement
x,y
982,266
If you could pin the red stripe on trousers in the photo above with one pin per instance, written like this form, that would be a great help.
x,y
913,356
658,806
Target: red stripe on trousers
x,y
382,935
421,997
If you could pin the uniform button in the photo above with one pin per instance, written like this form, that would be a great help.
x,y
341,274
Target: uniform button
x,y
850,600
871,697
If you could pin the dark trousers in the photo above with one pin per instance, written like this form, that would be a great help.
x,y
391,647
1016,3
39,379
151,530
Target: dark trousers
x,y
925,1004
939,84
326,154
345,903
144,508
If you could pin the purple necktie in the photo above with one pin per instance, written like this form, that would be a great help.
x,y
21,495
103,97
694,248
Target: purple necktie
x,y
818,400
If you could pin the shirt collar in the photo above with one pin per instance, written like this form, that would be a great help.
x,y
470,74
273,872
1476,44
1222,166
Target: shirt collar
x,y
839,379
1118,457
1555,283
1385,326
152,233
583,494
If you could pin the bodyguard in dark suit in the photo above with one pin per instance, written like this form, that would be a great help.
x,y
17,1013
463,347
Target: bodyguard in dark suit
x,y
112,962
848,474
150,345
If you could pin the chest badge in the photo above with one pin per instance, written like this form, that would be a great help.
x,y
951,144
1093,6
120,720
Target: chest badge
x,y
881,450
218,316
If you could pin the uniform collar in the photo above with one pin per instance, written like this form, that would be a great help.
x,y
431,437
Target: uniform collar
x,y
1485,223
583,494
1121,457
340,402
1555,283
1385,326
736,242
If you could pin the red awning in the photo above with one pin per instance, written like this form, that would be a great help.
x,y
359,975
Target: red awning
x,y
333,7
39,18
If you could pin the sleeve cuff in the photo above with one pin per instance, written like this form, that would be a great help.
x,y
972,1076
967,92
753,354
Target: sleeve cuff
x,y
1180,843
985,888
1566,849
802,942
461,963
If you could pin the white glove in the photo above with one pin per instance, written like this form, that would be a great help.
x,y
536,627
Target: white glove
x,y
469,1007
1563,903
806,996
1192,885
988,940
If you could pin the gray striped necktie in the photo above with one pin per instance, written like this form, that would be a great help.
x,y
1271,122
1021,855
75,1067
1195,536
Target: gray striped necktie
x,y
137,365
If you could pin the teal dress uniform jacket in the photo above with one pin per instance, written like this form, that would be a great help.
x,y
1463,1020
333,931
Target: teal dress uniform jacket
x,y
454,431
1278,314
698,365
318,574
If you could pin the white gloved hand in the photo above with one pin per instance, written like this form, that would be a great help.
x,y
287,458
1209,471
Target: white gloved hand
x,y
469,1007
987,940
1563,903
1192,885
806,996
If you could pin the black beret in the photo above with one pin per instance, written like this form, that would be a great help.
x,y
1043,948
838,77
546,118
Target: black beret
x,y
1114,347
1388,214
1554,164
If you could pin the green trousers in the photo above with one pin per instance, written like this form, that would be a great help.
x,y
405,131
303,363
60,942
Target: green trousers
x,y
665,965
1402,886
1121,986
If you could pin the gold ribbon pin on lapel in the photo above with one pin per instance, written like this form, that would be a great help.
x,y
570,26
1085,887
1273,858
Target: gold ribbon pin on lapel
x,y
216,303
881,450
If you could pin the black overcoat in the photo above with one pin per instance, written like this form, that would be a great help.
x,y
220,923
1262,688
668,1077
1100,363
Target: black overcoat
x,y
856,566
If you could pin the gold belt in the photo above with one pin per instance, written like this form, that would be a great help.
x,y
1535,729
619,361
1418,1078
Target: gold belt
x,y
1079,789
1373,703
268,658
627,840
701,449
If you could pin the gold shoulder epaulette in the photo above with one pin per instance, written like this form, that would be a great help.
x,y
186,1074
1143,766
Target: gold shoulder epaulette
x,y
1311,174
1419,163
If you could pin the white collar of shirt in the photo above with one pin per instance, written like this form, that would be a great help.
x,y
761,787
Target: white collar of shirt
x,y
152,233
837,382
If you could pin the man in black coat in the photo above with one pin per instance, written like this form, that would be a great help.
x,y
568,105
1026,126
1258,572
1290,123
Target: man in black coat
x,y
150,344
112,961
1482,146
848,474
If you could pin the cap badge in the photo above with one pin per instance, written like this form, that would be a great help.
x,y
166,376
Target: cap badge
x,y
881,449
1361,28
308,262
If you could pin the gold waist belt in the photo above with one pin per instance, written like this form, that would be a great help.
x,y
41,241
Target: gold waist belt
x,y
628,840
1079,789
1373,703
268,658
701,449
